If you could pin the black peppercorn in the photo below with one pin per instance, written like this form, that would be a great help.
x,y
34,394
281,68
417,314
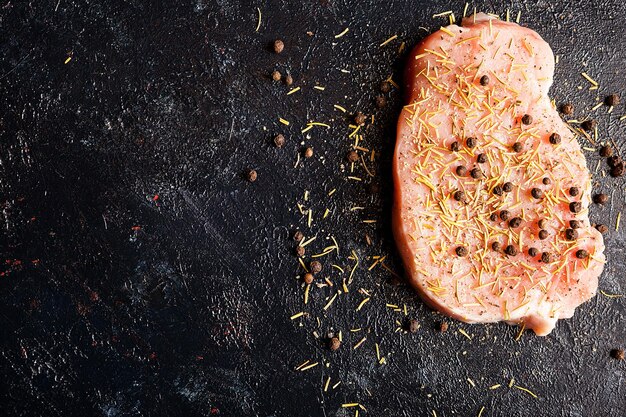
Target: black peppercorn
x,y
496,246
481,158
461,251
517,147
573,191
571,234
315,267
381,102
461,171
507,187
527,119
533,252
618,354
567,109
476,173
555,138
602,228
298,236
278,46
251,175
459,195
575,207
536,193
600,198
614,160
360,119
300,251
484,80
470,142
542,223
497,190
582,254
493,217
574,224
617,170
352,156
279,141
588,125
606,151
510,250
612,100
504,215
515,222
546,181
385,86
543,234
455,146
546,257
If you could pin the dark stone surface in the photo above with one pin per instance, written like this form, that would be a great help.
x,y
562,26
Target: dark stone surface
x,y
113,303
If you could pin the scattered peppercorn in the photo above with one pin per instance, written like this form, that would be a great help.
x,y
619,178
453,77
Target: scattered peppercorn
x,y
481,158
493,217
251,175
459,195
507,187
582,254
381,102
510,250
617,170
567,109
588,125
536,193
470,142
606,151
614,160
455,146
352,156
496,246
412,326
602,228
574,224
476,173
308,278
315,267
308,152
555,138
278,46
533,252
288,79
542,223
497,190
298,236
360,119
546,257
276,76
543,234
527,119
573,191
515,222
611,100
443,327
504,215
618,354
279,141
484,80
600,198
517,147
461,251
385,86
461,171
300,251
571,234
334,343
575,207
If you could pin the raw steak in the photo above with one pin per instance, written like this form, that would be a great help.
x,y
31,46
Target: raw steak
x,y
491,187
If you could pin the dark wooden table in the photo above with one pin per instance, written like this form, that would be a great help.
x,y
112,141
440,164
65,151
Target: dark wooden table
x,y
144,276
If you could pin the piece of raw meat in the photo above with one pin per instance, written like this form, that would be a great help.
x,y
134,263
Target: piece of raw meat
x,y
491,187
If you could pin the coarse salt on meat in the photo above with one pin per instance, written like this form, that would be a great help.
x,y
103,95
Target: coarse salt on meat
x,y
446,219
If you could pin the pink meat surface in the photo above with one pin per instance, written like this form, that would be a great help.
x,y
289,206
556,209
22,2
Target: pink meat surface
x,y
446,221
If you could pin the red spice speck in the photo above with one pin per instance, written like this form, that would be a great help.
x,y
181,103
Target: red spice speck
x,y
155,198
135,228
215,410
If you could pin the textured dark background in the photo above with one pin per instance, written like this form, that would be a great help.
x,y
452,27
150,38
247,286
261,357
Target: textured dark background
x,y
113,303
